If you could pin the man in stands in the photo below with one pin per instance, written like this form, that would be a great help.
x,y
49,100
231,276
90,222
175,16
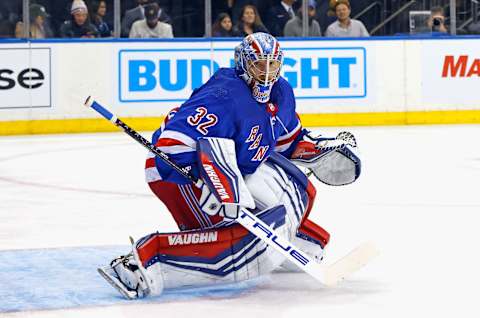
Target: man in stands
x,y
344,26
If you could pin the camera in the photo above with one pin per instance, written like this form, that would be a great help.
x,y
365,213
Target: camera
x,y
437,22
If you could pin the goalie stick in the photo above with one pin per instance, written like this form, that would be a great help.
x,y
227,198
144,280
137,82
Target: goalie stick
x,y
328,275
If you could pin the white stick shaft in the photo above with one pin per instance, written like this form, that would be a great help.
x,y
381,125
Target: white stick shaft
x,y
265,232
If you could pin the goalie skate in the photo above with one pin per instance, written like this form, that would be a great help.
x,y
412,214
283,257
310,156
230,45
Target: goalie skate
x,y
125,276
111,277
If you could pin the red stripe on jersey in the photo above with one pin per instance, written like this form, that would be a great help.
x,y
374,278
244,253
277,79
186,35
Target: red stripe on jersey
x,y
288,140
150,163
167,142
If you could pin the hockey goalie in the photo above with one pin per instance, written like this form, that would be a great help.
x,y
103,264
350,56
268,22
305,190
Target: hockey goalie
x,y
240,134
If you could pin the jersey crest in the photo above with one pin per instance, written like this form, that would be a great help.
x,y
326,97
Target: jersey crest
x,y
254,138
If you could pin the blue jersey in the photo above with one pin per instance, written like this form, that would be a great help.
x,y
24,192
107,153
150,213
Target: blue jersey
x,y
224,107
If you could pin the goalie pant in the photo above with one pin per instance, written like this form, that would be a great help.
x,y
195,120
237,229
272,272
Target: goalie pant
x,y
225,252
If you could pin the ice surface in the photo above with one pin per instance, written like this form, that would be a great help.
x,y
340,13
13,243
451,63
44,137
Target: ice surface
x,y
69,203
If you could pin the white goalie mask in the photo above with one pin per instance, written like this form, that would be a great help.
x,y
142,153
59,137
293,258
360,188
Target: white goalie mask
x,y
258,61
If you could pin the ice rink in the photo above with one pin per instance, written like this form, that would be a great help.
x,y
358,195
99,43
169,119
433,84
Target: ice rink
x,y
69,202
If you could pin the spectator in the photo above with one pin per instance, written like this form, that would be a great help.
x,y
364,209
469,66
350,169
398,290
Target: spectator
x,y
98,13
233,7
39,29
279,15
294,27
10,14
6,29
222,26
437,20
151,27
79,26
138,13
344,26
249,23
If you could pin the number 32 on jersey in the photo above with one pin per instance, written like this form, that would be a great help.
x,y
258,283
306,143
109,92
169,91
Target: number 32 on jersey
x,y
201,113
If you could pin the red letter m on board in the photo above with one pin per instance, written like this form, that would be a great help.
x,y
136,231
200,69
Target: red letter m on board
x,y
450,68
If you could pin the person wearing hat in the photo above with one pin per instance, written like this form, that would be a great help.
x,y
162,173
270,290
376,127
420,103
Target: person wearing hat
x,y
39,28
294,27
344,26
151,27
79,26
138,13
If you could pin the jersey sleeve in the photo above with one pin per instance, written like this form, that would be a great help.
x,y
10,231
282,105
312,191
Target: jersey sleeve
x,y
178,138
287,142
292,131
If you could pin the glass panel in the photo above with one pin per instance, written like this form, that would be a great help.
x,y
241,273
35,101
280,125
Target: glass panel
x,y
419,22
188,17
71,19
466,17
166,18
40,17
245,16
337,16
11,24
101,15
370,13
450,16
222,22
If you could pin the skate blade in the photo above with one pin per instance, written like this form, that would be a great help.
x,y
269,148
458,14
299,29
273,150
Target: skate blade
x,y
128,294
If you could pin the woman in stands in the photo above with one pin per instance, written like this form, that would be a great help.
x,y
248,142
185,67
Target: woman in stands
x,y
250,22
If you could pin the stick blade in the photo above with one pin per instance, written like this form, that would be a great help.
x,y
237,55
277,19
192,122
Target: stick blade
x,y
350,263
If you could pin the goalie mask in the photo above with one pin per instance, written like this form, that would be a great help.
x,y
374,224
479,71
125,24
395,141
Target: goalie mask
x,y
258,61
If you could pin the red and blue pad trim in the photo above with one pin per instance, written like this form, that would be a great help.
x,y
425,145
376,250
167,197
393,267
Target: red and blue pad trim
x,y
307,230
216,171
213,251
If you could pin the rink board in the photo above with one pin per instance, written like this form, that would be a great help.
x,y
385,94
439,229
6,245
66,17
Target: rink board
x,y
374,81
